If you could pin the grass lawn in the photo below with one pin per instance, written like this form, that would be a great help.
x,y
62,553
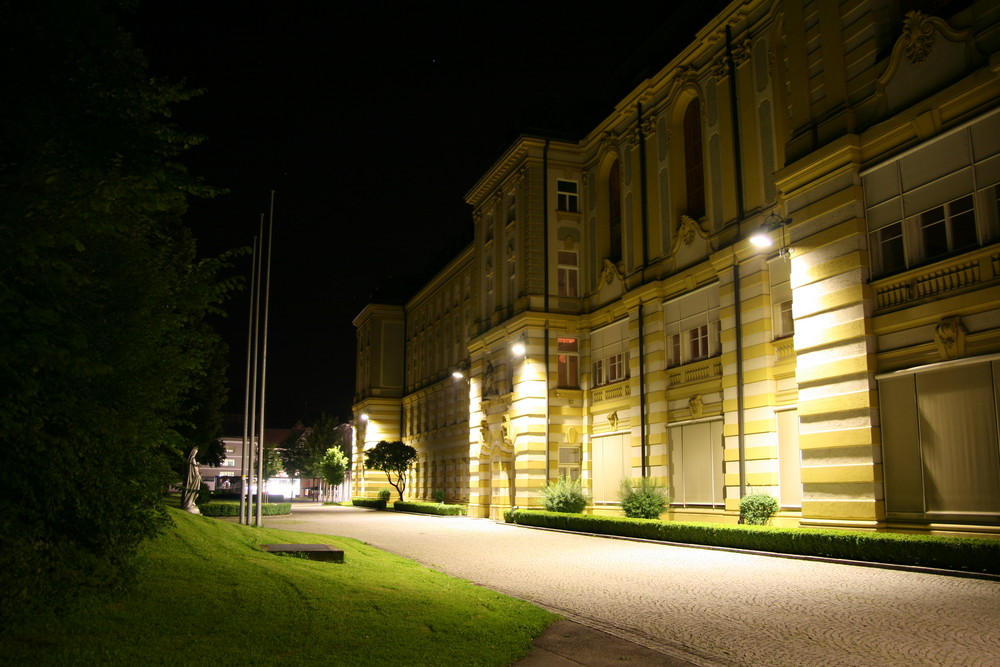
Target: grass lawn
x,y
209,595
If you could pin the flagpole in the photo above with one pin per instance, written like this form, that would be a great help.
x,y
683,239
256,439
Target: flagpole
x,y
263,365
254,427
244,463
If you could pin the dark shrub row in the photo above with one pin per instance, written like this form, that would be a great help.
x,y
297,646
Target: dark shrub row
x,y
227,508
373,503
235,495
429,508
953,553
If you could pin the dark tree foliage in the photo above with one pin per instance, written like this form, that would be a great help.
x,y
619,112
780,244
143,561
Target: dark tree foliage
x,y
394,459
102,300
303,452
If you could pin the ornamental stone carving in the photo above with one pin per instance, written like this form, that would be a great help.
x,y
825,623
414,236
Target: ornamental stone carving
x,y
610,273
696,406
949,336
741,52
918,36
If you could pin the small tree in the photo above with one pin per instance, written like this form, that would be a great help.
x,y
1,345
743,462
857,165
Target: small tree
x,y
394,459
334,466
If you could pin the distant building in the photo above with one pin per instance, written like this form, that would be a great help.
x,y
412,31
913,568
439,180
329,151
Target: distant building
x,y
227,476
851,369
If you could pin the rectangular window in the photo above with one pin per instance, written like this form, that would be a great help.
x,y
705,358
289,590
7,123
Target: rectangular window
x,y
512,278
511,208
569,462
674,348
692,326
696,463
616,367
939,442
782,322
568,273
610,464
923,206
609,347
568,196
698,343
568,360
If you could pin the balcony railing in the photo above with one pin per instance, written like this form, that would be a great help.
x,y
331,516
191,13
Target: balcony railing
x,y
695,372
611,392
934,280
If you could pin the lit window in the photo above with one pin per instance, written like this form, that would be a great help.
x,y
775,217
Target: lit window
x,y
568,362
568,196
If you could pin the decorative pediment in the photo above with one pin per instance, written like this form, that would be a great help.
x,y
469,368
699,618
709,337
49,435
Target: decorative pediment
x,y
909,76
610,273
687,231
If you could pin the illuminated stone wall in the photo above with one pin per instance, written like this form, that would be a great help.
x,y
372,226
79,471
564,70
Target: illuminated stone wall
x,y
660,342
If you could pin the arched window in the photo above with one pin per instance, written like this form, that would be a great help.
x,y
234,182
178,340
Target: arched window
x,y
615,212
694,164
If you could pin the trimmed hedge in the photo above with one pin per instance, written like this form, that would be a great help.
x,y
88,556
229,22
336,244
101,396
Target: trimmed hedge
x,y
236,496
218,508
373,503
429,508
952,553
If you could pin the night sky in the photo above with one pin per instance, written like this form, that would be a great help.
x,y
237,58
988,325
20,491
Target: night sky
x,y
371,121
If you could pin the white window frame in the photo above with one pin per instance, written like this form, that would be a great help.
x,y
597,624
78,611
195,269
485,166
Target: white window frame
x,y
609,353
935,176
568,268
692,326
570,459
568,362
779,276
567,195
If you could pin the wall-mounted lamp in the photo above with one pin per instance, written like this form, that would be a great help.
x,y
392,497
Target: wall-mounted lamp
x,y
762,237
363,416
461,371
520,347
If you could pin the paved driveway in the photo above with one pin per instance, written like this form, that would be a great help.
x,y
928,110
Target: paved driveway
x,y
709,607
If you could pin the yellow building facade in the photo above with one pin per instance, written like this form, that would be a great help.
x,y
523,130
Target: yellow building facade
x,y
615,318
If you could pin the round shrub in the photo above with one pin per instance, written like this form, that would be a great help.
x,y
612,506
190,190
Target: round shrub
x,y
758,508
642,498
564,495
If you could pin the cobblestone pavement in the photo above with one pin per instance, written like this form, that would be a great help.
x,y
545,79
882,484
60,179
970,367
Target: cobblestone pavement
x,y
708,607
